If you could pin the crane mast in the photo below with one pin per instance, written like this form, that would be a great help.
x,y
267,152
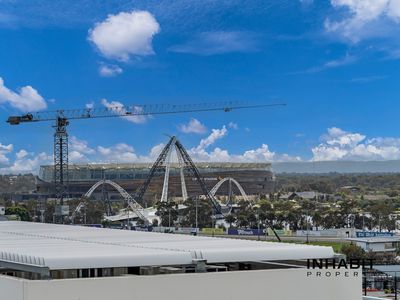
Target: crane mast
x,y
61,120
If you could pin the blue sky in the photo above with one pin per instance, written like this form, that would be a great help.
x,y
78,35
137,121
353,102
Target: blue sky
x,y
335,63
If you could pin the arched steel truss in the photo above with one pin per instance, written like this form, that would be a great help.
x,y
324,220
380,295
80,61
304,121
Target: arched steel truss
x,y
136,207
218,185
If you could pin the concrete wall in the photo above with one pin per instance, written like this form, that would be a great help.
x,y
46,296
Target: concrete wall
x,y
265,284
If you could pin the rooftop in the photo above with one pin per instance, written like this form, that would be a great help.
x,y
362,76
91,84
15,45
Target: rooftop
x,y
201,165
370,240
61,247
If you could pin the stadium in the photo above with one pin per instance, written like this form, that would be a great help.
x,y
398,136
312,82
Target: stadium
x,y
255,178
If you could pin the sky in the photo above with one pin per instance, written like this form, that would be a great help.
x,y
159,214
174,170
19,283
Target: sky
x,y
335,63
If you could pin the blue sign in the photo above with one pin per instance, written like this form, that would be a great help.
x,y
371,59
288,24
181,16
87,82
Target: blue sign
x,y
246,231
367,234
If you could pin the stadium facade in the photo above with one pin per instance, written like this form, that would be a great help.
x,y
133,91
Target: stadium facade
x,y
255,178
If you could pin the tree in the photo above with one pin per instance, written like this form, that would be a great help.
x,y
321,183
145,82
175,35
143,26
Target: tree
x,y
20,211
230,219
245,216
204,213
168,213
382,215
352,251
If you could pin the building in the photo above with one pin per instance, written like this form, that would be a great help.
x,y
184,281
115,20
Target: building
x,y
47,261
380,246
255,178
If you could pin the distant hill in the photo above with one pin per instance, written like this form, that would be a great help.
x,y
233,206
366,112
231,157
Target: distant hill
x,y
392,166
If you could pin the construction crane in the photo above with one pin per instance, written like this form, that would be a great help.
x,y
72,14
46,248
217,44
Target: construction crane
x,y
61,119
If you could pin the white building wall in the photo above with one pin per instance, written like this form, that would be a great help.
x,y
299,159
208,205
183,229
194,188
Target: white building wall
x,y
374,247
291,284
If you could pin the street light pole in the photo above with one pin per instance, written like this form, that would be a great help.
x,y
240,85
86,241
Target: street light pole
x,y
197,225
307,227
258,226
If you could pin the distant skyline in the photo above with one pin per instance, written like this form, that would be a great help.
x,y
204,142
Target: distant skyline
x,y
336,63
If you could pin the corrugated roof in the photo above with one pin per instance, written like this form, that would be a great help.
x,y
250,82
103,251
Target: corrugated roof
x,y
76,247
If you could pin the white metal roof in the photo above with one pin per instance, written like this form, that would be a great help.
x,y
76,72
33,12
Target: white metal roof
x,y
76,247
370,240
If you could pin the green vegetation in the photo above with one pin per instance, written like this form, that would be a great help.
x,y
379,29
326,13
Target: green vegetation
x,y
337,246
20,211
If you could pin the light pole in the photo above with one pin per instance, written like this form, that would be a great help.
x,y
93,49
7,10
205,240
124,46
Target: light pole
x,y
128,227
258,225
307,227
197,224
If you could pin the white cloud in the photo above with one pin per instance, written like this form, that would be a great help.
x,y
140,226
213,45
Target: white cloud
x,y
81,146
119,108
121,152
26,99
76,157
219,42
363,18
233,125
215,135
79,150
4,150
194,126
341,145
154,152
26,163
89,105
261,154
21,154
125,34
337,136
331,64
109,70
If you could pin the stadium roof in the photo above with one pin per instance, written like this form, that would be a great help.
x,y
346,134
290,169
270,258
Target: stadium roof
x,y
59,247
201,165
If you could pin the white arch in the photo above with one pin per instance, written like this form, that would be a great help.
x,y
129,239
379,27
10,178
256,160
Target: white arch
x,y
218,185
136,207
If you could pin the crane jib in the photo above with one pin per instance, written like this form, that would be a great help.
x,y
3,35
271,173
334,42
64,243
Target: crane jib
x,y
62,117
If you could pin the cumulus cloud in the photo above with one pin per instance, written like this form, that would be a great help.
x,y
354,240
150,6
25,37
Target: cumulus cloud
x,y
119,108
261,154
21,154
107,70
338,144
26,99
194,126
81,146
121,152
363,18
26,163
4,150
79,150
125,34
